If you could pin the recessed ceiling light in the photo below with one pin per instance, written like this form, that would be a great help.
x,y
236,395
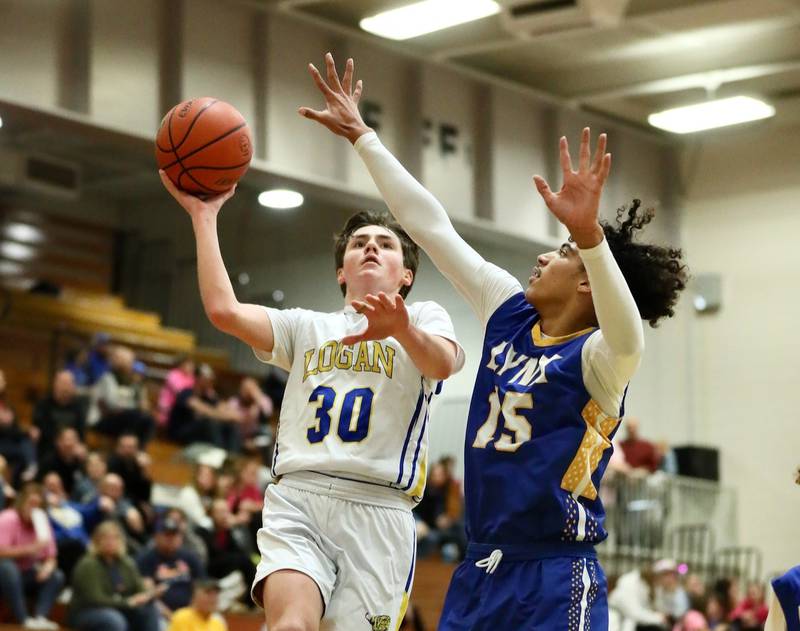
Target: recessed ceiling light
x,y
1,121
16,251
280,198
711,114
23,232
427,16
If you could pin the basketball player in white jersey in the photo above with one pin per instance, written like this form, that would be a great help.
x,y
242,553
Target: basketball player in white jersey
x,y
338,539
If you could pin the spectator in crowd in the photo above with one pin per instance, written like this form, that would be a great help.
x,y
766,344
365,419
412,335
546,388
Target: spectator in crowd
x,y
166,562
7,492
98,357
195,499
201,614
109,594
717,612
180,378
246,497
16,445
694,619
695,587
120,401
440,528
670,597
88,486
28,559
254,408
122,509
226,552
631,600
71,522
200,416
751,613
63,407
639,453
67,460
191,540
77,364
133,466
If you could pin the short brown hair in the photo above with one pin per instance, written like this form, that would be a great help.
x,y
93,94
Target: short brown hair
x,y
372,218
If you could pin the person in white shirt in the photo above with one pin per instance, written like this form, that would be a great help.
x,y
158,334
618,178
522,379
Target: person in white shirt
x,y
337,542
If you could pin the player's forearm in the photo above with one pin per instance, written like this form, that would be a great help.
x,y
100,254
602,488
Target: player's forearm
x,y
616,310
421,215
216,291
433,356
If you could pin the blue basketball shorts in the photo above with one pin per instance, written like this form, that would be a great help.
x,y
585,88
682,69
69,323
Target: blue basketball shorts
x,y
544,588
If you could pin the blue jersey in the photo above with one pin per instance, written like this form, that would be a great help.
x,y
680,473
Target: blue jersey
x,y
787,591
537,444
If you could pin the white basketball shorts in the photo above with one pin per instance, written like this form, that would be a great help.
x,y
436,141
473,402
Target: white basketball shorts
x,y
354,539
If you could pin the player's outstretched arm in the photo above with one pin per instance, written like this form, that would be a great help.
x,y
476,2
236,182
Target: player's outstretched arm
x,y
249,323
417,210
434,356
577,206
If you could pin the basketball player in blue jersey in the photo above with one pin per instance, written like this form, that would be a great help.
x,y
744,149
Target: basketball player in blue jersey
x,y
338,537
557,357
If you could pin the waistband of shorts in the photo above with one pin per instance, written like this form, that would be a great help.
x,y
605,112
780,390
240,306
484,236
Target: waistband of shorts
x,y
349,489
533,551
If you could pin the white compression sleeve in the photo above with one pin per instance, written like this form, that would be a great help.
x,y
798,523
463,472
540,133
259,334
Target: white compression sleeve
x,y
426,222
612,355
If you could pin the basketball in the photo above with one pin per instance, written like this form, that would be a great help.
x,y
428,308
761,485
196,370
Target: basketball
x,y
204,146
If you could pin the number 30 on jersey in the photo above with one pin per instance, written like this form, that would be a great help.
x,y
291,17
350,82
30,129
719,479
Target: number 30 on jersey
x,y
355,413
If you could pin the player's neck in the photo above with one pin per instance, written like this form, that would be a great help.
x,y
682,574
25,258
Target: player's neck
x,y
565,321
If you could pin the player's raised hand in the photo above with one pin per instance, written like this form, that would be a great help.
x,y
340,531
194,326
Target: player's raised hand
x,y
192,204
577,204
341,113
386,317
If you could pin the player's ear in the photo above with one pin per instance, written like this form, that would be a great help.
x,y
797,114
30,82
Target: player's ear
x,y
340,276
408,278
584,287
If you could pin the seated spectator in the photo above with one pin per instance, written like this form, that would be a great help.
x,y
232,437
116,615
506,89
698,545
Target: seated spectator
x,y
246,497
167,562
191,540
108,593
670,597
77,364
71,522
631,599
67,460
195,499
180,378
639,453
202,614
444,530
254,409
119,401
63,407
122,509
98,356
198,415
716,612
16,445
226,552
28,559
751,613
87,487
694,619
133,466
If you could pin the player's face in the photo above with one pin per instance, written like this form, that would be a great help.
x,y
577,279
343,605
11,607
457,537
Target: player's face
x,y
373,262
555,276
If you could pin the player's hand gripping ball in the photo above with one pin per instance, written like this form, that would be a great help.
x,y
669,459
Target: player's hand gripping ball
x,y
204,146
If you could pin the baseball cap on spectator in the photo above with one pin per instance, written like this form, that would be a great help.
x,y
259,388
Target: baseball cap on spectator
x,y
167,525
664,565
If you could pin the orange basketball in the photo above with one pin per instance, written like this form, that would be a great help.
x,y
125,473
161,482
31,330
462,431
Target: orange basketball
x,y
204,145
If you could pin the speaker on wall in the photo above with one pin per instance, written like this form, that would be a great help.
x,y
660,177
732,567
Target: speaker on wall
x,y
698,462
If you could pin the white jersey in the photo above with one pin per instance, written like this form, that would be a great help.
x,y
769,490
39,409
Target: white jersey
x,y
357,411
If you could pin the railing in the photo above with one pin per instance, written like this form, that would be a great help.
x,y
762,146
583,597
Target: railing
x,y
688,519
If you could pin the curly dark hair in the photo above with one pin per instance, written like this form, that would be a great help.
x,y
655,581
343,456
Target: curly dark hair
x,y
655,274
372,218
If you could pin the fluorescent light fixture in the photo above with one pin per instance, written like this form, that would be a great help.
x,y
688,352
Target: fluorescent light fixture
x,y
280,198
1,121
24,233
427,16
16,251
711,114
7,267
